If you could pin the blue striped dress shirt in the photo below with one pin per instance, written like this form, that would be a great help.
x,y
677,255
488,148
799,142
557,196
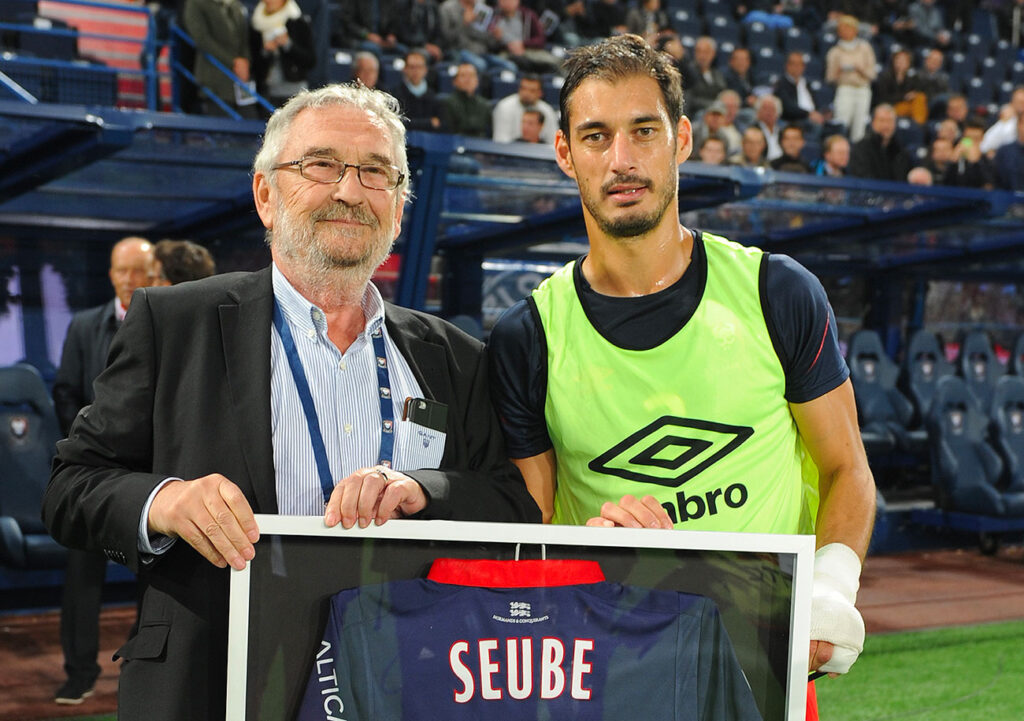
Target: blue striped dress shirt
x,y
346,395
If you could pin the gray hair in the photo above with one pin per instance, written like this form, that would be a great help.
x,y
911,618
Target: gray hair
x,y
381,107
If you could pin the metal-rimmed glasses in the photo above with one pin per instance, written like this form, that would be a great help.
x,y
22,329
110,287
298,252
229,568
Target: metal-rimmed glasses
x,y
329,170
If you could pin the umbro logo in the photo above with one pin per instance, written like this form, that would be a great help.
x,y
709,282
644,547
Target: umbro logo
x,y
671,450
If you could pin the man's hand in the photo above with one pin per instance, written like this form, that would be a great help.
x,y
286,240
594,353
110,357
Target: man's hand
x,y
210,514
633,513
373,494
837,628
240,67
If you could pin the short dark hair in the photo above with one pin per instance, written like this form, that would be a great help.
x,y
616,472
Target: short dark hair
x,y
534,111
792,126
616,58
183,260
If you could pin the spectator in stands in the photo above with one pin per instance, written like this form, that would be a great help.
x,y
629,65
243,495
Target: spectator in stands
x,y
370,25
572,28
970,167
792,142
711,122
879,154
835,157
420,107
866,12
83,358
730,131
281,45
702,81
1009,162
670,43
464,112
530,127
897,86
940,158
507,118
1004,130
929,25
933,81
179,261
738,76
464,34
768,109
712,151
605,18
753,149
850,66
797,101
894,21
920,176
420,27
366,68
521,38
957,110
1010,19
220,29
948,129
647,20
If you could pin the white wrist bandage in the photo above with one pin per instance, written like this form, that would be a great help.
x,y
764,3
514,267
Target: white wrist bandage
x,y
834,618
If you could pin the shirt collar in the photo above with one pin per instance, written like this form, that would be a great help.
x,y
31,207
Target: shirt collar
x,y
307,316
119,310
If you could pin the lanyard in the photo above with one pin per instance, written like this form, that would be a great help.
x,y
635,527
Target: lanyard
x,y
387,415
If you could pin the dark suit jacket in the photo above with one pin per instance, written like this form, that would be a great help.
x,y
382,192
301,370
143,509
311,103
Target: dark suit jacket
x,y
785,90
84,357
187,394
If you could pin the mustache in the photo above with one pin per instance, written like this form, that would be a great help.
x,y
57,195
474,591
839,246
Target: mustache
x,y
625,180
339,211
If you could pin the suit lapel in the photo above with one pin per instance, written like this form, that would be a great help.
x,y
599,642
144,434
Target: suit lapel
x,y
245,333
428,360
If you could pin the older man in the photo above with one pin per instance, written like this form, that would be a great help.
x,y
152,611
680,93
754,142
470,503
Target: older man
x,y
288,398
880,155
83,358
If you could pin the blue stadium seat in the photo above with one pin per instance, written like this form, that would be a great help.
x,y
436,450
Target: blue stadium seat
x,y
1005,53
795,39
759,35
339,67
993,72
503,83
1017,73
911,134
980,93
724,30
29,434
924,365
814,67
883,413
823,94
47,40
983,24
1008,435
979,367
687,23
769,65
552,88
966,471
445,74
390,71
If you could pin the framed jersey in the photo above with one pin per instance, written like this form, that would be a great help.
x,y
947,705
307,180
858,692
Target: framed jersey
x,y
438,619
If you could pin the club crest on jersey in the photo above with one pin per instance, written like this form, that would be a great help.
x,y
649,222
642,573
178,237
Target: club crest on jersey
x,y
518,608
671,450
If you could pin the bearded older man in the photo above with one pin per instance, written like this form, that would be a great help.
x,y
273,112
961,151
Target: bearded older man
x,y
280,391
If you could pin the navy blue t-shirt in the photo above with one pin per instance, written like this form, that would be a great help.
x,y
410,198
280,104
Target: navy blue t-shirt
x,y
800,322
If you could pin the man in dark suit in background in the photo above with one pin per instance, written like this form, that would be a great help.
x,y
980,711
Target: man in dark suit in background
x,y
83,358
207,383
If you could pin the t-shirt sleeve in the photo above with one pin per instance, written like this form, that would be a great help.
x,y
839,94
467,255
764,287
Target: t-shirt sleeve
x,y
518,366
802,327
724,692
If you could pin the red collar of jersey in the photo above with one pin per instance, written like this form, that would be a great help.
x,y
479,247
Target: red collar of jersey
x,y
514,574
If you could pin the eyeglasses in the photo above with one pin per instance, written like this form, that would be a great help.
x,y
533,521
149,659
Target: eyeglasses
x,y
329,171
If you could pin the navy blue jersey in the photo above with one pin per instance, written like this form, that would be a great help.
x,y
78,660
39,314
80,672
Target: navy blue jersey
x,y
517,640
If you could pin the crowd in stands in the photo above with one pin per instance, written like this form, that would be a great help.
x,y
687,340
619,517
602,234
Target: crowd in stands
x,y
867,88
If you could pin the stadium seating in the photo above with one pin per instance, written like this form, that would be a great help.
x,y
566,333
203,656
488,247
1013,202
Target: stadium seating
x,y
883,412
965,469
979,367
1007,425
1016,365
924,365
29,431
